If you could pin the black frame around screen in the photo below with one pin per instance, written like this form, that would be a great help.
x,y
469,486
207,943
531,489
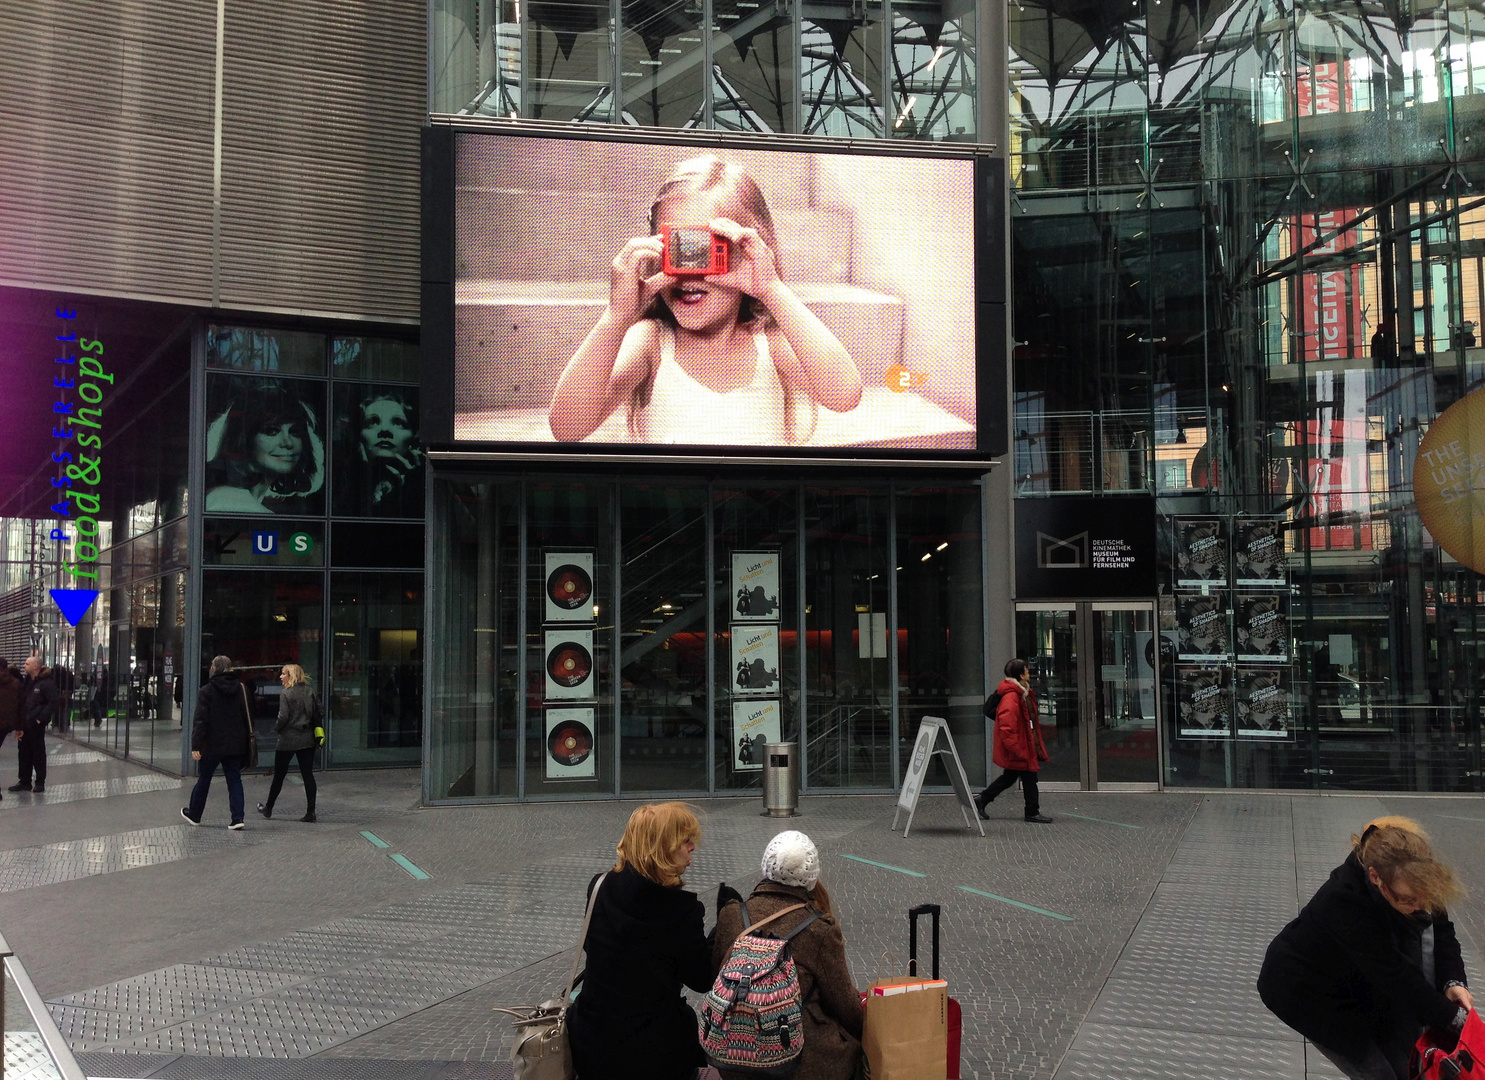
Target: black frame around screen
x,y
438,292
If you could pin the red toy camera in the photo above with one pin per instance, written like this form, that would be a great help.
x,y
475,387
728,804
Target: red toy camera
x,y
691,251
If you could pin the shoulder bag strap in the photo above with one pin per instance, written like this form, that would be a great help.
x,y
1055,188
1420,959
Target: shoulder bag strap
x,y
247,710
577,954
775,915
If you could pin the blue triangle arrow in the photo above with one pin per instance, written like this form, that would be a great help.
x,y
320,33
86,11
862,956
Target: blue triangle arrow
x,y
74,602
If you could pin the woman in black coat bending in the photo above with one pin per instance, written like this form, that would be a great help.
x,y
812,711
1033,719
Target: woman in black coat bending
x,y
646,940
1372,960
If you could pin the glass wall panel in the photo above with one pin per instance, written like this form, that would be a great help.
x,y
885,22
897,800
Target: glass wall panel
x,y
756,590
662,615
662,65
263,621
376,669
848,672
843,78
569,662
286,352
473,674
383,359
754,67
940,618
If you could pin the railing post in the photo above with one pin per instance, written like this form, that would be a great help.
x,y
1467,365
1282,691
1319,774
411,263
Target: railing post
x,y
5,954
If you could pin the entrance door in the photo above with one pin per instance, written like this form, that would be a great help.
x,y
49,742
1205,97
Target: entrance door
x,y
1094,667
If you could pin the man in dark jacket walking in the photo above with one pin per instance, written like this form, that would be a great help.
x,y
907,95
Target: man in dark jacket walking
x,y
38,706
12,696
219,736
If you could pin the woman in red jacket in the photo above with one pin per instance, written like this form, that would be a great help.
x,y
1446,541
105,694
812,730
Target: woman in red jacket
x,y
1019,749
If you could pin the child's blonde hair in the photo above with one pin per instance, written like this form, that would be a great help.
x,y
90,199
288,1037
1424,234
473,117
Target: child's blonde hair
x,y
1398,848
738,197
653,839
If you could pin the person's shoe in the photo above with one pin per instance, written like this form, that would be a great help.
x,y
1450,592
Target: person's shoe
x,y
309,817
980,802
266,811
185,812
19,787
40,787
1038,819
237,826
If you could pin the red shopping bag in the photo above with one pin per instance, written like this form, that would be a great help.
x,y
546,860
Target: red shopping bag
x,y
1465,1062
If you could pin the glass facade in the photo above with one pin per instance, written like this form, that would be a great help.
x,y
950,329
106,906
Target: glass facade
x,y
1246,243
601,635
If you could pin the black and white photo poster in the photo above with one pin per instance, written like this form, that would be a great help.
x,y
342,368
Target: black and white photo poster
x,y
1203,704
1258,552
1201,622
1262,696
755,586
755,724
1201,552
755,660
1262,627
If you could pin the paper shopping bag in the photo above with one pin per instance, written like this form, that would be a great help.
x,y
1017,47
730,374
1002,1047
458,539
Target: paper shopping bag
x,y
906,1034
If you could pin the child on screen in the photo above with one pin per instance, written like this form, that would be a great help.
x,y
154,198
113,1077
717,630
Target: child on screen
x,y
732,359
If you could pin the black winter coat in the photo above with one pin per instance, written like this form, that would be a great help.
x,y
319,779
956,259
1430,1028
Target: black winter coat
x,y
630,1021
42,698
219,727
1348,972
12,693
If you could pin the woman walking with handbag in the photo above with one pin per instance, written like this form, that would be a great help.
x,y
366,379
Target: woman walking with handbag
x,y
299,718
645,941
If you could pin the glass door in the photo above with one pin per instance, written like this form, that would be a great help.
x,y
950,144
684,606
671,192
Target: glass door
x,y
1094,667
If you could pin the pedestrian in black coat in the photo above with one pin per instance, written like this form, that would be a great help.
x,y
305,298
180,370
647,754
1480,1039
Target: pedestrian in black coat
x,y
1372,959
645,942
219,736
40,698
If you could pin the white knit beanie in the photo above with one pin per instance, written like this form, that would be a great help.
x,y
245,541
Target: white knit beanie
x,y
791,859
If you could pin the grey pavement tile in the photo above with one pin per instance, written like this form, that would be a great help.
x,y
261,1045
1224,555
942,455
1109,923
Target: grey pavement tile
x,y
29,868
1105,1052
57,793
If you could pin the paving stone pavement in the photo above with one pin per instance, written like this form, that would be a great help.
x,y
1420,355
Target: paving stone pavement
x,y
1122,941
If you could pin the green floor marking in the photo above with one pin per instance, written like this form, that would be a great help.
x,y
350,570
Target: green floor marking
x,y
1104,821
406,864
375,839
883,866
1016,903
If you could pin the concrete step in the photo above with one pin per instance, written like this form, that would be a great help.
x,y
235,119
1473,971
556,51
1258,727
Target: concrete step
x,y
519,335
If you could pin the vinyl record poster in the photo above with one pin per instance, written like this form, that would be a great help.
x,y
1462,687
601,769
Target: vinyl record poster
x,y
569,667
755,586
1258,552
755,660
1201,625
1262,698
1201,552
755,724
1262,627
572,745
1203,704
569,586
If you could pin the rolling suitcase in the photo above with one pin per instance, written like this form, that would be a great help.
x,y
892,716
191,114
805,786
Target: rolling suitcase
x,y
956,1021
1465,1062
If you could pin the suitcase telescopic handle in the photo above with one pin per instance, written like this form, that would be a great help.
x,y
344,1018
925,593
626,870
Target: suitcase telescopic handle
x,y
913,913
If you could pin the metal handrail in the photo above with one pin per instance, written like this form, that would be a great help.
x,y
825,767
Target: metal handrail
x,y
46,1027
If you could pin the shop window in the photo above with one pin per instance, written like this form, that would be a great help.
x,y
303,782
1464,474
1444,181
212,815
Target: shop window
x,y
286,352
374,358
376,669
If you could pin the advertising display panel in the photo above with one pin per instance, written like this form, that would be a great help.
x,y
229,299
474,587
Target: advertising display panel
x,y
609,292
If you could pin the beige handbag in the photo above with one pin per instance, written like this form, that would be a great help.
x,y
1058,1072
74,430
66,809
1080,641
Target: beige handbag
x,y
540,1050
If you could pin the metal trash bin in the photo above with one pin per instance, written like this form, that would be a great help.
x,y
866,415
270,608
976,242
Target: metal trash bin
x,y
781,779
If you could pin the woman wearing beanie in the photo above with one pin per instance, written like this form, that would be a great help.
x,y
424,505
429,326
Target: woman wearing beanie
x,y
832,1005
646,940
1373,959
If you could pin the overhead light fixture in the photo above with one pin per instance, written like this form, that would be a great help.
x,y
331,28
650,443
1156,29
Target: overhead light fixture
x,y
942,546
926,556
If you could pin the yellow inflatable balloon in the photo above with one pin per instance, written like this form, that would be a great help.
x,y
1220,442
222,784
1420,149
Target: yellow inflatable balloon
x,y
1449,480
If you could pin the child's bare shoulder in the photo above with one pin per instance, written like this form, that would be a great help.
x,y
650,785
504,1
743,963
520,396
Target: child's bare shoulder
x,y
638,352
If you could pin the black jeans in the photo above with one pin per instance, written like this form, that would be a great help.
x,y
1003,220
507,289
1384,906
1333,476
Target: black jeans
x,y
232,770
281,761
1007,780
31,751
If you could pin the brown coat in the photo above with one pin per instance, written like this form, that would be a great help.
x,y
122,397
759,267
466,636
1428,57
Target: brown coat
x,y
12,693
832,1005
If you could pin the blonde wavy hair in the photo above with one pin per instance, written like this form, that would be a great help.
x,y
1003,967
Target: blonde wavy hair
x,y
296,674
653,840
1397,848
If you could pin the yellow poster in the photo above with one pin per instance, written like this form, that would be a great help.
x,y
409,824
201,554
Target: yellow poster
x,y
1449,480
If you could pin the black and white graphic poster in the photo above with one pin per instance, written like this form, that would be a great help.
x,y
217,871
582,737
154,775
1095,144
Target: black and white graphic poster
x,y
1201,622
755,586
572,745
1258,552
1262,697
569,586
755,660
1262,627
755,724
1203,704
1201,552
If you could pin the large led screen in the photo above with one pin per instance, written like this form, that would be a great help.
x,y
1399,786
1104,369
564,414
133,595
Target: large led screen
x,y
617,292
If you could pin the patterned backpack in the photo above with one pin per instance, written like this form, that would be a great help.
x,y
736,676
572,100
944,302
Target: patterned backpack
x,y
753,1019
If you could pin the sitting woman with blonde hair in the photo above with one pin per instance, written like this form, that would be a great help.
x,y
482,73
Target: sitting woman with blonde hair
x,y
645,942
1373,959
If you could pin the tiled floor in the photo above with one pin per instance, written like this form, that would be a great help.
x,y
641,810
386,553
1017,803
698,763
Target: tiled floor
x,y
1122,941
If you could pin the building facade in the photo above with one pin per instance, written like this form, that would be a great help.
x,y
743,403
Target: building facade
x,y
1244,288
